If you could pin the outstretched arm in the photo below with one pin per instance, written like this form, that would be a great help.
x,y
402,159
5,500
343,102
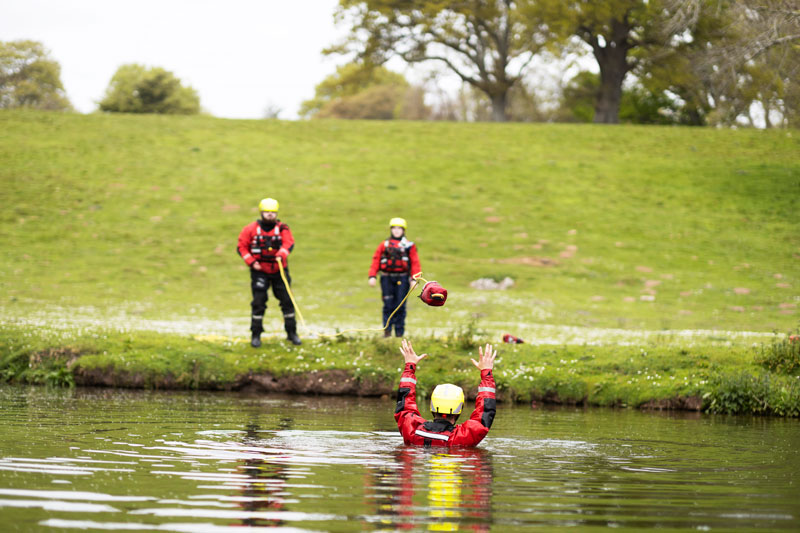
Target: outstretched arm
x,y
407,413
477,427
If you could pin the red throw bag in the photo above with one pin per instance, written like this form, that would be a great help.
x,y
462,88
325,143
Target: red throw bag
x,y
433,294
511,339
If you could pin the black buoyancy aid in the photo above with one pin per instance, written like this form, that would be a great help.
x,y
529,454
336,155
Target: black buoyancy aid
x,y
266,243
395,255
438,429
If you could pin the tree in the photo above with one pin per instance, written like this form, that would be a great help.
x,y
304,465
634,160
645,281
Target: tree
x,y
742,54
349,80
757,62
621,34
484,42
638,105
29,77
363,91
136,89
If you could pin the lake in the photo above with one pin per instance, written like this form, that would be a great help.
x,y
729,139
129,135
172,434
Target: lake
x,y
96,459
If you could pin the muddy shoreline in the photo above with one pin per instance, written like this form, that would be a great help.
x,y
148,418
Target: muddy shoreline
x,y
334,382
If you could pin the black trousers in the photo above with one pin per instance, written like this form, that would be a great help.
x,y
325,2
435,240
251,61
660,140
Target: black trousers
x,y
260,282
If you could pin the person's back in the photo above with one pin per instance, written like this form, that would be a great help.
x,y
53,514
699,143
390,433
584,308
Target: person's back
x,y
447,402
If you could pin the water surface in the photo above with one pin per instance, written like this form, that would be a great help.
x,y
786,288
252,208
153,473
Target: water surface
x,y
167,461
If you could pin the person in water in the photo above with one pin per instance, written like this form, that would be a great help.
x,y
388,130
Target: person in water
x,y
447,401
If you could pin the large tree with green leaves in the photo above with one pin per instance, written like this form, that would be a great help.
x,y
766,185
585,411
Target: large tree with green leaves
x,y
29,77
622,36
137,89
486,43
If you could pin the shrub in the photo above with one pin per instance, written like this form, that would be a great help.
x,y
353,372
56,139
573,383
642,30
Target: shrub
x,y
781,356
761,393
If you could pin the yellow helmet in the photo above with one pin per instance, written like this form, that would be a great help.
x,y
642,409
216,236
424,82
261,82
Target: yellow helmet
x,y
397,221
447,399
268,204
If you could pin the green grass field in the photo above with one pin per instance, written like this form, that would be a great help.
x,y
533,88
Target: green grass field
x,y
650,264
126,218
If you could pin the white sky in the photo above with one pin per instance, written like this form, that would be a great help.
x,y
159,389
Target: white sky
x,y
240,55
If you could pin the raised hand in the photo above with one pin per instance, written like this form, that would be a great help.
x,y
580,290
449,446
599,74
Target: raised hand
x,y
486,359
408,353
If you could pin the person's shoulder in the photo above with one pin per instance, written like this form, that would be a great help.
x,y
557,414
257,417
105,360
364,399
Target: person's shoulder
x,y
250,226
283,225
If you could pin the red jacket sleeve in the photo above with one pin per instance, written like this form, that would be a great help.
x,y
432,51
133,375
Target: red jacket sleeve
x,y
414,259
376,260
244,245
287,241
407,414
477,427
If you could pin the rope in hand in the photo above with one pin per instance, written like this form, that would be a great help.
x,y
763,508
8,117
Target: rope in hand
x,y
416,279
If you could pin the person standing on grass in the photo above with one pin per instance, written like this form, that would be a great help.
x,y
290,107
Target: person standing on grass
x,y
447,401
397,260
262,244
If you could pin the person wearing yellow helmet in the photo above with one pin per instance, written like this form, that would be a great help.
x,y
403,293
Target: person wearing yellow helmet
x,y
262,244
397,260
447,402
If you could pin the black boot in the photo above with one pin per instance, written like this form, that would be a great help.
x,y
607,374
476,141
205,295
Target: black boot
x,y
387,333
255,342
290,325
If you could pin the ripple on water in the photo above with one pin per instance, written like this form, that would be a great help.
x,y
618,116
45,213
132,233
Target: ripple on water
x,y
181,462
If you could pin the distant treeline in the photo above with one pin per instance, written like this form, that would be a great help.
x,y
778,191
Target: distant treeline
x,y
692,62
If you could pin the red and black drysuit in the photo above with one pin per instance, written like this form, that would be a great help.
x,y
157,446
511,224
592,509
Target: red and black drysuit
x,y
440,432
398,261
266,243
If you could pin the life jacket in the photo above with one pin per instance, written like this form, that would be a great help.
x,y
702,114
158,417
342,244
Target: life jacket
x,y
435,432
395,255
265,244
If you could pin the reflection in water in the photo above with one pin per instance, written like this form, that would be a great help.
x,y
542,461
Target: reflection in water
x,y
266,486
456,488
207,463
444,494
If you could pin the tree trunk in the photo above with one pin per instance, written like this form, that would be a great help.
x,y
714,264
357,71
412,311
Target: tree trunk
x,y
499,106
613,62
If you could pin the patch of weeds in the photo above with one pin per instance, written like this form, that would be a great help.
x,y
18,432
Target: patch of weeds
x,y
781,356
745,392
468,336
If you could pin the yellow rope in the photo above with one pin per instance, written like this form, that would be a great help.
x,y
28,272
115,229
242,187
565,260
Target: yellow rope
x,y
289,290
416,280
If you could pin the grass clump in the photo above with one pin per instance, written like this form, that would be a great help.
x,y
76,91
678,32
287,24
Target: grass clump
x,y
781,356
753,392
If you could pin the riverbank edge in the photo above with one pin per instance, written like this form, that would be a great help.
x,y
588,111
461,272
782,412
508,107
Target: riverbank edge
x,y
698,378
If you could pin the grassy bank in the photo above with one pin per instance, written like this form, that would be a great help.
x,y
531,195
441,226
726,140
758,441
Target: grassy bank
x,y
647,261
729,379
128,218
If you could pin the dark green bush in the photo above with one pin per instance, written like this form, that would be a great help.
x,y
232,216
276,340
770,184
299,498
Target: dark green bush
x,y
782,356
748,393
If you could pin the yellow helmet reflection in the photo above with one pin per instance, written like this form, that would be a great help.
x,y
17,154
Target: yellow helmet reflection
x,y
444,492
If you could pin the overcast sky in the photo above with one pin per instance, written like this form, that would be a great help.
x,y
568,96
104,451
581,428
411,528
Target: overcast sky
x,y
240,55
